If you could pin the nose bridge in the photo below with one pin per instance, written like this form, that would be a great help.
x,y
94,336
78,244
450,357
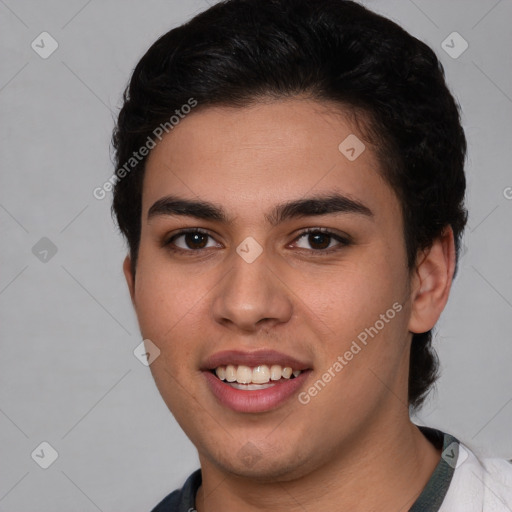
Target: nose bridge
x,y
251,292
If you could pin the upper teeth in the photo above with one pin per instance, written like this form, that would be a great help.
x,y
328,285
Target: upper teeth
x,y
257,375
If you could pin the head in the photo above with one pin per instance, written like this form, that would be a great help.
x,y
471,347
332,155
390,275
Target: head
x,y
246,108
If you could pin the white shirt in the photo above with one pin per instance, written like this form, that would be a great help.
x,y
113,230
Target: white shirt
x,y
479,484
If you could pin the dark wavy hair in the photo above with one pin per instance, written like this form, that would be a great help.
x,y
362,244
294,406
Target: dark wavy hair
x,y
241,51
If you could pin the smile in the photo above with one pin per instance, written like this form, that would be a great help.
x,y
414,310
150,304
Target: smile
x,y
258,377
254,382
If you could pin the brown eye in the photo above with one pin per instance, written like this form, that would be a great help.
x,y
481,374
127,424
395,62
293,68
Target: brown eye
x,y
320,240
195,240
190,241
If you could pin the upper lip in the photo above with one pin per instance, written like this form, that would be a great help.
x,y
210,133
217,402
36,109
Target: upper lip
x,y
254,358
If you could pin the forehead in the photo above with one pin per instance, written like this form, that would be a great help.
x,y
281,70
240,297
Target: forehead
x,y
250,158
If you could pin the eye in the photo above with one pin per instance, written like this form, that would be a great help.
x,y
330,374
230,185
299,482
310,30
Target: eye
x,y
316,240
321,240
191,240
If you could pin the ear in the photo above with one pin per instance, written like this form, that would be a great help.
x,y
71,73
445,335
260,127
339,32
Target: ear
x,y
432,282
130,278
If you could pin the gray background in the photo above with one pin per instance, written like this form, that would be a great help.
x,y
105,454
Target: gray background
x,y
68,375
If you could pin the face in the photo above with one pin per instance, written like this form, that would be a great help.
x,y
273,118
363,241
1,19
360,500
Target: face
x,y
264,251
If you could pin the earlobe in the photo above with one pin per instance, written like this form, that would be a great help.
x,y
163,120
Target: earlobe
x,y
128,274
432,282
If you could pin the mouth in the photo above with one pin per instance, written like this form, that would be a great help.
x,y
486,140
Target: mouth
x,y
254,382
252,379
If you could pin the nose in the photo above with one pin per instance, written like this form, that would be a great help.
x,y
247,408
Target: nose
x,y
252,297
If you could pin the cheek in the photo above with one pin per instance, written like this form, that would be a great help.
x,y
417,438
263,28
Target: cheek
x,y
167,306
173,311
359,310
163,301
352,296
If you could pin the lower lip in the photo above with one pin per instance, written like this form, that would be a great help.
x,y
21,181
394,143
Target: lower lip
x,y
260,400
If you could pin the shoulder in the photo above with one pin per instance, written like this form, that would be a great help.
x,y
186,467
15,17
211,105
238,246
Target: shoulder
x,y
479,483
181,500
497,477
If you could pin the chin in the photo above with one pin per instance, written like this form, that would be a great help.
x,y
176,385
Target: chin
x,y
265,465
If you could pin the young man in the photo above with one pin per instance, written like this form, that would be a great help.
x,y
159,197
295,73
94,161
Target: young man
x,y
290,183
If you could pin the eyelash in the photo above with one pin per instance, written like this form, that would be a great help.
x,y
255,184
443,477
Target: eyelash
x,y
344,241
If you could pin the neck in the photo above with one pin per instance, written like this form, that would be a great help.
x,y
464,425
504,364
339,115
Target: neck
x,y
384,469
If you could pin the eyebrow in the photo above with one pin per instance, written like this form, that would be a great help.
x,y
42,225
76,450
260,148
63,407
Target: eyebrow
x,y
304,207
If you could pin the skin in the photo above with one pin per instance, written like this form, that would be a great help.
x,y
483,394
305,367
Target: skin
x,y
353,446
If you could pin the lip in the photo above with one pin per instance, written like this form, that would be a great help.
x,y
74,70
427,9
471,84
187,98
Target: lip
x,y
255,401
260,400
254,358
